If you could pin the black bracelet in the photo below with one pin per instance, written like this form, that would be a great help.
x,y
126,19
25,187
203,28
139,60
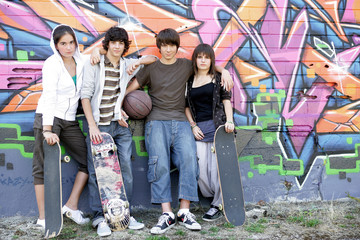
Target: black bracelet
x,y
44,131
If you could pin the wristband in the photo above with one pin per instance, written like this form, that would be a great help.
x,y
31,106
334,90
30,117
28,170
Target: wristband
x,y
46,131
192,124
192,127
229,122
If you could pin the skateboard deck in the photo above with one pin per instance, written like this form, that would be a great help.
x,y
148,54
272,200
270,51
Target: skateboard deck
x,y
110,183
53,191
229,177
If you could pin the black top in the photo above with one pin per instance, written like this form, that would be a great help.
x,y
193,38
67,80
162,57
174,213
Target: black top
x,y
202,98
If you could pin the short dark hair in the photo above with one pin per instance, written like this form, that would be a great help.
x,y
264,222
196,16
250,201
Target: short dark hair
x,y
208,51
168,36
60,31
116,34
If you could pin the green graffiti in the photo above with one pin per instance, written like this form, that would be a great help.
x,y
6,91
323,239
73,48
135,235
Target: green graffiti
x,y
137,140
354,157
250,174
349,140
22,56
263,168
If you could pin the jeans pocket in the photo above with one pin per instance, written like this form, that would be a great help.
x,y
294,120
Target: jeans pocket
x,y
151,174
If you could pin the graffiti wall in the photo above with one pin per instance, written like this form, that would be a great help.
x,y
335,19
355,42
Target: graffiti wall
x,y
296,70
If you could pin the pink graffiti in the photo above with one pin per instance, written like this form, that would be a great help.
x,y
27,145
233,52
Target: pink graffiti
x,y
24,17
83,19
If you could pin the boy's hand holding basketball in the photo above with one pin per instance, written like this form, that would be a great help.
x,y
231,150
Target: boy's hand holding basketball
x,y
122,122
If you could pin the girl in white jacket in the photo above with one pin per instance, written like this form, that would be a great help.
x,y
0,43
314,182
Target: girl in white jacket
x,y
55,121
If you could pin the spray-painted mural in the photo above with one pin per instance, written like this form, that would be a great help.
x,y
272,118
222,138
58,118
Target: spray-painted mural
x,y
296,70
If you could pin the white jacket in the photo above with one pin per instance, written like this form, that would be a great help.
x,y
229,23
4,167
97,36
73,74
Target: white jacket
x,y
60,96
94,80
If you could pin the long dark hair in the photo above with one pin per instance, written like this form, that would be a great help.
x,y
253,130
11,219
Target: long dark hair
x,y
208,51
61,31
116,34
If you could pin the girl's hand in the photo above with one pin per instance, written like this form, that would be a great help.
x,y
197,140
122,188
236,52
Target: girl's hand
x,y
198,134
51,138
229,127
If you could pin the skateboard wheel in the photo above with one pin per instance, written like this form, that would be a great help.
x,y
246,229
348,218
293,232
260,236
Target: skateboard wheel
x,y
220,207
126,205
212,149
93,151
68,214
67,159
114,148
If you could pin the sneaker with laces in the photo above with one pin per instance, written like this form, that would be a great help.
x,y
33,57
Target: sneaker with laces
x,y
135,225
189,221
103,229
212,214
75,215
165,223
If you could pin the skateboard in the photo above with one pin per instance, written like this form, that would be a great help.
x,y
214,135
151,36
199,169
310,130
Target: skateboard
x,y
229,177
110,183
53,191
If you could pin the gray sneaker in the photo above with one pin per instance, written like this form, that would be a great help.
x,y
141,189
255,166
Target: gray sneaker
x,y
103,229
135,225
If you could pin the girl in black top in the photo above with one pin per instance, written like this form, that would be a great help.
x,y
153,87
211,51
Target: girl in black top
x,y
208,107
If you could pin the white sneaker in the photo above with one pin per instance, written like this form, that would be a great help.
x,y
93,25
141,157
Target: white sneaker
x,y
40,223
103,229
135,225
75,215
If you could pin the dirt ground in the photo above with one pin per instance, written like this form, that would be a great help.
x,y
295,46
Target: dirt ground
x,y
284,220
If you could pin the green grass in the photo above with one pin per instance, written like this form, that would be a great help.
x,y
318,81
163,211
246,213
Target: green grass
x,y
228,225
312,223
157,238
68,232
349,216
180,233
214,229
305,219
255,228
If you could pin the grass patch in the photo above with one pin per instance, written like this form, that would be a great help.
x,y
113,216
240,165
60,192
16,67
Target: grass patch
x,y
305,219
214,229
262,220
312,223
157,238
349,216
68,232
255,228
180,233
228,225
131,231
203,232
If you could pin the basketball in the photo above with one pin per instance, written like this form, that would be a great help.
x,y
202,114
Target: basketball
x,y
137,104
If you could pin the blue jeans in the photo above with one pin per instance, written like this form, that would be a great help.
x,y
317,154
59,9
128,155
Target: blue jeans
x,y
123,140
165,140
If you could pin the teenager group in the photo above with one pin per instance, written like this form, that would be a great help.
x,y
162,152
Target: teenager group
x,y
190,99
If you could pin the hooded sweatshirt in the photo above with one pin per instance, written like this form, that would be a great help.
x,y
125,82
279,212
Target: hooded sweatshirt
x,y
60,95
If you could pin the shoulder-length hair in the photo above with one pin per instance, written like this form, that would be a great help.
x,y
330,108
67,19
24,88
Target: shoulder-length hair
x,y
208,51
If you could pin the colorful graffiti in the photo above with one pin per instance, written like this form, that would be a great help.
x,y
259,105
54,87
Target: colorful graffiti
x,y
295,65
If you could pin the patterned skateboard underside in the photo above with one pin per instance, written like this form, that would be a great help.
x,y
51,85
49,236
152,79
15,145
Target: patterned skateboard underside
x,y
229,177
110,183
53,190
